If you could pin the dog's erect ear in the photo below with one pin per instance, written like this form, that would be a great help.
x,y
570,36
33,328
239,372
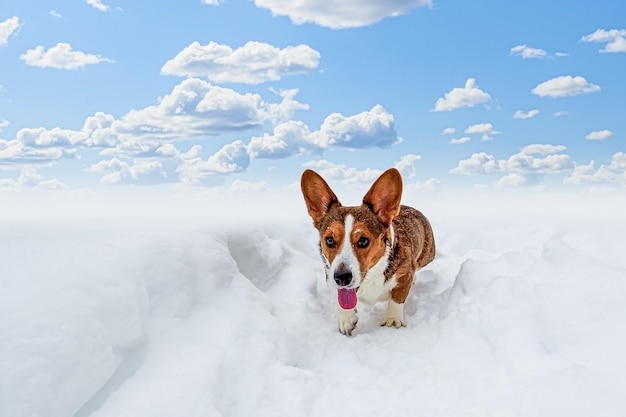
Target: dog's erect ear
x,y
384,196
318,196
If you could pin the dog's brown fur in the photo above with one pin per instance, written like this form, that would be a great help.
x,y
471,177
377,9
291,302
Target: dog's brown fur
x,y
401,233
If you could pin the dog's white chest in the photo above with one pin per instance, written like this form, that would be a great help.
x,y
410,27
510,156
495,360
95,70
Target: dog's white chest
x,y
373,287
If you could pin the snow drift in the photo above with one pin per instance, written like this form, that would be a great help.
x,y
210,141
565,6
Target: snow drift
x,y
517,316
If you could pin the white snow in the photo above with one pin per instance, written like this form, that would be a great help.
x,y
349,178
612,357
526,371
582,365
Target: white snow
x,y
519,315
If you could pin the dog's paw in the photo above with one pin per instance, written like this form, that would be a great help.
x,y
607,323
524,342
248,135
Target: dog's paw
x,y
396,322
394,317
346,320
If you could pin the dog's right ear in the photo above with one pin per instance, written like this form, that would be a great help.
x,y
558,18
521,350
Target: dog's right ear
x,y
318,196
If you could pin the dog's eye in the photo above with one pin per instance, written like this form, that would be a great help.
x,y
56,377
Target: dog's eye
x,y
330,242
363,242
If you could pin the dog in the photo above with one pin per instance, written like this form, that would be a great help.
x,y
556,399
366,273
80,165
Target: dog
x,y
370,252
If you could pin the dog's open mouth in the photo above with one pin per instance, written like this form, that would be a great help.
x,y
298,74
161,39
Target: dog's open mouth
x,y
347,298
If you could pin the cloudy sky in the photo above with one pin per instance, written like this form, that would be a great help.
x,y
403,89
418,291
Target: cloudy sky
x,y
99,96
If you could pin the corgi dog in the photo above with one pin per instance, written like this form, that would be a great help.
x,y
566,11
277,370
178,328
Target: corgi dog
x,y
370,252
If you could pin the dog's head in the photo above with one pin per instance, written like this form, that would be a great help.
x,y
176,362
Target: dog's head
x,y
354,241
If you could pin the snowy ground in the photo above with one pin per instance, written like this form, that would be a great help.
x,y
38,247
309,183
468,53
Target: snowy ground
x,y
517,316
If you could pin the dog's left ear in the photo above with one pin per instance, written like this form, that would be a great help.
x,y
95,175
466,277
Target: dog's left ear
x,y
383,198
318,196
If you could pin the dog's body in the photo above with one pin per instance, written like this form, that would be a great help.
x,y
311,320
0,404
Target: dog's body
x,y
372,251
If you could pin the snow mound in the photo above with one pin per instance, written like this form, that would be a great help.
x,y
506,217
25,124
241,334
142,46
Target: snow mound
x,y
515,317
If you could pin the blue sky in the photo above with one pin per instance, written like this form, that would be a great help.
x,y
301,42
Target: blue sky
x,y
241,96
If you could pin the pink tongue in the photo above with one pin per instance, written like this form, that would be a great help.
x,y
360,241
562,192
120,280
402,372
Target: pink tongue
x,y
347,298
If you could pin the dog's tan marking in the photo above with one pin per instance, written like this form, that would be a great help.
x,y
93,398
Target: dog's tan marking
x,y
336,231
400,242
372,253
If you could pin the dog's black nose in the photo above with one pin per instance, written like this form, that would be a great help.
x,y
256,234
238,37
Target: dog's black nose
x,y
343,276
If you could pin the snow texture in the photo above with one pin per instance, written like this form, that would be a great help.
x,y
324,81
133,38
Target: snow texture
x,y
517,316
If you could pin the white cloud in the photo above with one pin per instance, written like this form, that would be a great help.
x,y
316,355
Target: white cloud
x,y
560,113
347,176
231,158
98,131
95,133
42,147
368,129
406,165
460,141
448,131
478,163
528,52
615,172
3,123
428,186
373,128
29,177
525,115
467,96
565,86
342,174
191,168
484,129
98,5
350,13
8,27
146,171
52,184
196,108
615,40
284,110
289,138
212,2
55,14
511,180
14,154
599,135
548,164
618,162
618,45
532,159
44,138
479,128
253,63
60,56
239,186
8,185
587,174
542,149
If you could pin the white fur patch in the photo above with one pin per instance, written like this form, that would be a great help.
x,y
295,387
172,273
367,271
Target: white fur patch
x,y
346,256
373,287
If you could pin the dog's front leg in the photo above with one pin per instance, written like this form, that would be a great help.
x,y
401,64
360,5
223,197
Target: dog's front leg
x,y
394,316
346,319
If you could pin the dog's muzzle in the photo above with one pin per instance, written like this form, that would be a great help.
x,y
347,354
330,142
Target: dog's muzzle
x,y
342,276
